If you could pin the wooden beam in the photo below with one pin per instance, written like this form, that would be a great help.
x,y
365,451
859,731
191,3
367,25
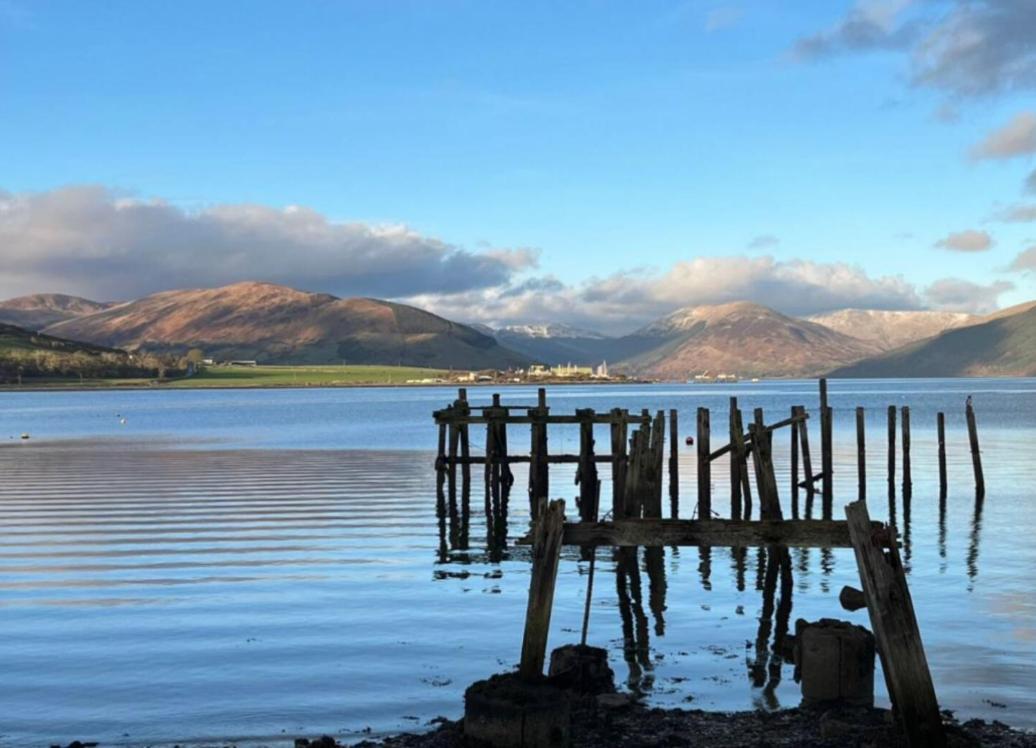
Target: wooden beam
x,y
716,532
895,628
976,455
546,554
747,438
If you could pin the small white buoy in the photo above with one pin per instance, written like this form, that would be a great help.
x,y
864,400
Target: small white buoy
x,y
123,421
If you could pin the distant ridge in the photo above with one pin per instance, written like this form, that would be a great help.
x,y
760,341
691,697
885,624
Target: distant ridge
x,y
739,338
39,310
1003,345
892,329
277,324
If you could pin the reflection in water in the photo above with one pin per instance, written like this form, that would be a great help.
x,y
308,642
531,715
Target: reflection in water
x,y
705,566
942,532
907,545
636,646
976,531
654,564
764,670
738,557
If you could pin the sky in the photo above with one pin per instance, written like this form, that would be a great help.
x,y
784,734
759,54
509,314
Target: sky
x,y
593,163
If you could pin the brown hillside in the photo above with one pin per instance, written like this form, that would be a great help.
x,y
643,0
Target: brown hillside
x,y
39,310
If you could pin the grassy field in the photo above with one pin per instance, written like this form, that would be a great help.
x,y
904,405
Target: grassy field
x,y
304,376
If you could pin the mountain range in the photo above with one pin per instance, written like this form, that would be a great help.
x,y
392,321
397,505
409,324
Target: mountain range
x,y
276,324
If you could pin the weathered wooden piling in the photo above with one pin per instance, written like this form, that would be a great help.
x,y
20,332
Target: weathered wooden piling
x,y
586,473
765,479
794,468
905,424
618,437
735,466
940,423
653,505
463,410
704,466
895,628
674,465
826,449
976,456
809,478
861,453
739,453
892,450
539,470
546,554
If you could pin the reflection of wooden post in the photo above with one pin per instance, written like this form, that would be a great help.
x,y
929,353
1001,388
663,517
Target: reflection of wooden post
x,y
618,429
861,453
794,465
704,466
674,466
905,424
892,450
586,476
895,628
976,456
940,420
546,553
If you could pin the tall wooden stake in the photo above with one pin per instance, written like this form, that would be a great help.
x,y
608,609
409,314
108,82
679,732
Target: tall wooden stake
x,y
674,466
861,453
586,475
546,554
704,466
905,424
826,449
463,410
895,629
794,466
618,434
976,456
765,480
892,450
737,436
940,420
539,467
735,463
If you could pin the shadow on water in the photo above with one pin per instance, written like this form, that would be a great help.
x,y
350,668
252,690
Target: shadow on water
x,y
973,542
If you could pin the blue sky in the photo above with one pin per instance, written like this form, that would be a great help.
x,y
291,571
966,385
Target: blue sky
x,y
580,147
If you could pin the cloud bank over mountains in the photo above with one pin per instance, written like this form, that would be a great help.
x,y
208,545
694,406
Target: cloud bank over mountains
x,y
94,242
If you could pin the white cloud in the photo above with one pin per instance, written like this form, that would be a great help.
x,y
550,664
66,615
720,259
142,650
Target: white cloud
x,y
970,240
1025,261
956,294
90,241
1017,214
1016,138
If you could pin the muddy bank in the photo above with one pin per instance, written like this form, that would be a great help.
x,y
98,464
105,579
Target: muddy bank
x,y
613,720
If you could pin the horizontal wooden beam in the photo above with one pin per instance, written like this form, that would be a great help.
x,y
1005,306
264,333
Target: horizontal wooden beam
x,y
748,437
514,459
803,533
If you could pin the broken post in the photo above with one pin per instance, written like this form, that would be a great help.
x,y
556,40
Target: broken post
x,y
794,465
976,457
586,474
704,466
735,464
539,470
740,452
765,479
940,421
895,628
618,434
826,448
546,554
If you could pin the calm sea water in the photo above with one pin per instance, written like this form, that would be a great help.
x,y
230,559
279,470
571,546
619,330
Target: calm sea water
x,y
257,565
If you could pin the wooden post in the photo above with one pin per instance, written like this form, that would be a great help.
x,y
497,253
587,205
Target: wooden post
x,y
653,508
892,450
463,410
895,629
440,465
826,449
539,468
905,424
704,467
794,466
546,553
737,437
735,465
861,453
674,466
940,421
586,475
976,456
807,461
765,480
451,466
619,463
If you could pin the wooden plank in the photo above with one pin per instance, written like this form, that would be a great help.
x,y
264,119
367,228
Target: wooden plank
x,y
861,453
976,455
715,532
704,466
895,628
748,437
546,554
940,421
674,465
